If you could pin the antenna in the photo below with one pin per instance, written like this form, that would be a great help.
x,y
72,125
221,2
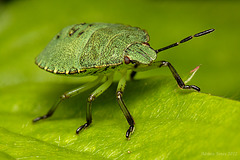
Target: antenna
x,y
185,40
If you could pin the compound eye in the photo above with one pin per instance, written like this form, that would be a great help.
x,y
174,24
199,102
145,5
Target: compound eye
x,y
127,60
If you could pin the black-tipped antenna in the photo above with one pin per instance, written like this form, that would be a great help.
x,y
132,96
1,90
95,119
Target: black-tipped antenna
x,y
185,40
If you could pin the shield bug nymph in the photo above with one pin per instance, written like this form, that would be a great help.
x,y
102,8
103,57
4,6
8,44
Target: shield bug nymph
x,y
101,49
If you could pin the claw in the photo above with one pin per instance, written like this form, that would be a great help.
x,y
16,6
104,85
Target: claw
x,y
39,118
82,127
129,131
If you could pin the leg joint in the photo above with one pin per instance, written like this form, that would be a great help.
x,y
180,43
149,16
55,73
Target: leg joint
x,y
91,98
64,96
164,63
119,94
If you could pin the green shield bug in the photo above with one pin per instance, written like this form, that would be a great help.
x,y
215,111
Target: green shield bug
x,y
101,49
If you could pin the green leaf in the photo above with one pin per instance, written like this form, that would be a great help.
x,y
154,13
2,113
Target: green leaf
x,y
25,147
170,123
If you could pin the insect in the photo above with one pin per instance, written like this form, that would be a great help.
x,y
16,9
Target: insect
x,y
101,49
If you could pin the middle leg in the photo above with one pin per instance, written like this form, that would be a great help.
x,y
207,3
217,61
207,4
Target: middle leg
x,y
91,98
119,94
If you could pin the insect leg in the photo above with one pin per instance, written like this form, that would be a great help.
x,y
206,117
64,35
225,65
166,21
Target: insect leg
x,y
157,64
91,98
132,75
177,77
69,94
119,94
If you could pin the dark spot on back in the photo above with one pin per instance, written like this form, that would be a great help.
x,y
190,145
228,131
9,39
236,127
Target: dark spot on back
x,y
72,31
90,25
58,36
79,34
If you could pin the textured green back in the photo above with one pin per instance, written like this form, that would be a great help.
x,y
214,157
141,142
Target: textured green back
x,y
81,46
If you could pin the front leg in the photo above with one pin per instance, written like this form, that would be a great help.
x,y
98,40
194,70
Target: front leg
x,y
181,84
159,64
119,93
